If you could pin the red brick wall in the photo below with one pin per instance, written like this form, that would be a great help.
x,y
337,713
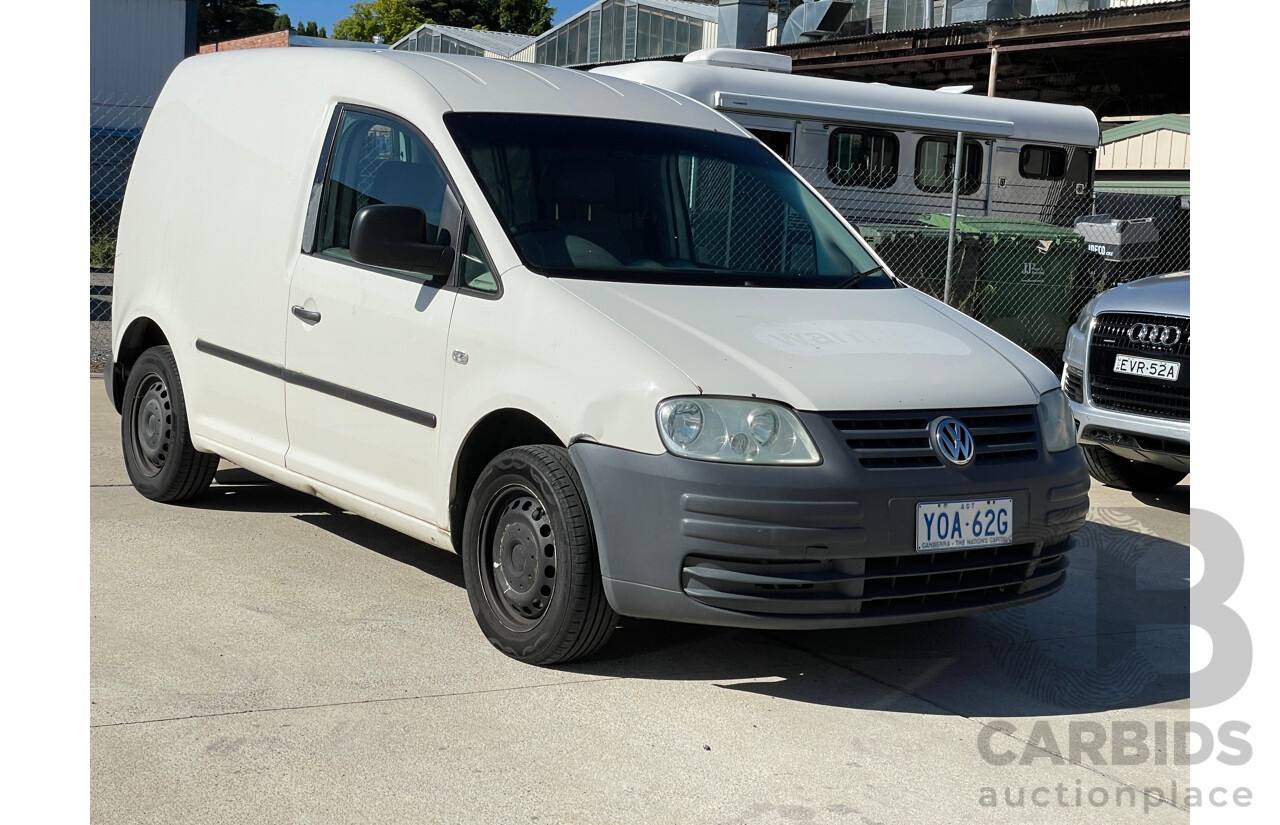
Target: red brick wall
x,y
274,40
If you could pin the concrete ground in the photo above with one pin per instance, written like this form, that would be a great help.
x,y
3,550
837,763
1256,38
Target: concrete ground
x,y
261,657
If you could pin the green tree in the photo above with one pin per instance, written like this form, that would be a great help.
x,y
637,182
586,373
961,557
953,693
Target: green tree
x,y
518,16
218,20
466,14
392,19
524,16
308,29
282,24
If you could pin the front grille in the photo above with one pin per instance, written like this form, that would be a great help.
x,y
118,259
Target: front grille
x,y
877,588
889,440
1134,394
1073,384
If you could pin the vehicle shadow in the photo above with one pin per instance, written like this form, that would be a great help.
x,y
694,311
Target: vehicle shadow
x,y
1116,636
1176,500
441,564
238,489
241,490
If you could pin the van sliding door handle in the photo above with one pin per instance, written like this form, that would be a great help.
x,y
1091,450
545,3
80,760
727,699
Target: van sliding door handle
x,y
310,316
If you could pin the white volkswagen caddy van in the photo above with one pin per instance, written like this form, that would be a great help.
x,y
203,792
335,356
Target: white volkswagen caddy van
x,y
590,334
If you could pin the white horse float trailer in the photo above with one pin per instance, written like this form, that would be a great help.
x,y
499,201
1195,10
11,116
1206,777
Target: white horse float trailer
x,y
886,153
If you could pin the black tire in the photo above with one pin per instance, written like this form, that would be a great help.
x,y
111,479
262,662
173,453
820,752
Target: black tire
x,y
1126,474
530,562
162,464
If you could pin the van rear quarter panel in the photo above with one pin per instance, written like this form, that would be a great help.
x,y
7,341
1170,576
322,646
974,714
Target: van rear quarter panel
x,y
213,218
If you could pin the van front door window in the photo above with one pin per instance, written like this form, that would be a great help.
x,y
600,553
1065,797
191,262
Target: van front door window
x,y
376,159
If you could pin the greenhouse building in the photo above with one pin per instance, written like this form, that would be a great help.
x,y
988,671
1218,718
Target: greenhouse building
x,y
615,31
455,40
609,31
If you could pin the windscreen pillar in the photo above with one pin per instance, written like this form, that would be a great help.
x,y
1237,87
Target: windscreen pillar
x,y
743,24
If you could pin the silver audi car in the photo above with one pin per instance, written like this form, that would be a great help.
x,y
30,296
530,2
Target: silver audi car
x,y
1127,373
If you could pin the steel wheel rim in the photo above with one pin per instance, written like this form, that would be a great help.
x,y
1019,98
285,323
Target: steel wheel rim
x,y
517,557
152,422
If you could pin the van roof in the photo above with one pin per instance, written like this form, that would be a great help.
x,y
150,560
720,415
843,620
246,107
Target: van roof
x,y
751,91
466,83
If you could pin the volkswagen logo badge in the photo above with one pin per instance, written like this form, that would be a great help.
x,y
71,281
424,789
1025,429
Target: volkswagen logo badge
x,y
952,441
1158,335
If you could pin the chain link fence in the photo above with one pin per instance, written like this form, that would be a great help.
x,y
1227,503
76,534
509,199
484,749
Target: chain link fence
x,y
115,125
1021,256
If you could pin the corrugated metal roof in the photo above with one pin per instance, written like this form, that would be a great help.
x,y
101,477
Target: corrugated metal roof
x,y
1153,149
1174,123
299,40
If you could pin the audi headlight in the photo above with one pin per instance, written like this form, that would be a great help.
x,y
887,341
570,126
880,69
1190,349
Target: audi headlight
x,y
741,431
1057,428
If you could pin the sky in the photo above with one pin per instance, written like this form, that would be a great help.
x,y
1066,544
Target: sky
x,y
328,12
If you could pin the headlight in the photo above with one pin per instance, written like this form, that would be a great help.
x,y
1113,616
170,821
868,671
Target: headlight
x,y
1056,425
741,431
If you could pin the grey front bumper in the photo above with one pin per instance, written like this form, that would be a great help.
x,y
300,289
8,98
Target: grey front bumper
x,y
831,545
1166,443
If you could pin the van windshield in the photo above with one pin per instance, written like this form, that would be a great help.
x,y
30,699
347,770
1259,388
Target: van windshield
x,y
648,203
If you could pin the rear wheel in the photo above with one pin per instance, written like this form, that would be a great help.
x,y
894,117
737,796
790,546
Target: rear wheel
x,y
162,463
1126,474
530,559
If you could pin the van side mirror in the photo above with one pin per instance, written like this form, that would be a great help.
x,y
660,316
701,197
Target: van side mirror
x,y
394,236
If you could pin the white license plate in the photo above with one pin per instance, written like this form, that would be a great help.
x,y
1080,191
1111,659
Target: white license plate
x,y
959,525
1147,367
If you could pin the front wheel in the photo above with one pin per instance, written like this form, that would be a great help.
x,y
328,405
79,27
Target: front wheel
x,y
1126,474
530,561
162,463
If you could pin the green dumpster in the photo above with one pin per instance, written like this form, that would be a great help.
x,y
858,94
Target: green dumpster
x,y
917,254
1027,278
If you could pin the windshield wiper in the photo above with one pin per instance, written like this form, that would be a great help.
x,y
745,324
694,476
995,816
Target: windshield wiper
x,y
849,283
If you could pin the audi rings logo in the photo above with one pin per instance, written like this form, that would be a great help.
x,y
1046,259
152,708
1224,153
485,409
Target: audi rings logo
x,y
952,441
1155,334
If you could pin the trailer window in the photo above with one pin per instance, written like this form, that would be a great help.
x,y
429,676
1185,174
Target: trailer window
x,y
935,165
861,157
1042,162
